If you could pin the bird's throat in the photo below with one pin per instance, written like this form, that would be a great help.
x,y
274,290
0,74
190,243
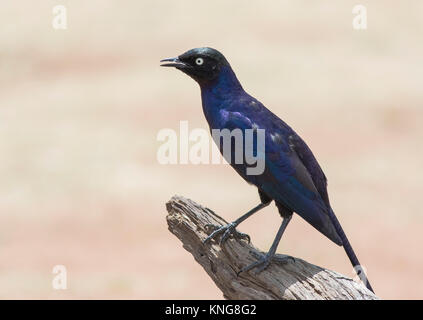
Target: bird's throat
x,y
219,93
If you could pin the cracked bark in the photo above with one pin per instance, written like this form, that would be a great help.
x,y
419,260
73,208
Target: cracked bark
x,y
295,280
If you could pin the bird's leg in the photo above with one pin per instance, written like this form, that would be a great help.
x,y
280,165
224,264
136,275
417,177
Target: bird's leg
x,y
265,260
230,227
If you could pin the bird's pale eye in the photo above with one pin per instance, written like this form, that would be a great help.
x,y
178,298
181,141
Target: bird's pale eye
x,y
199,61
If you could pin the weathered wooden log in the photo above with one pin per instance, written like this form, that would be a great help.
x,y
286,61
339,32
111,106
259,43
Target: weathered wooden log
x,y
295,279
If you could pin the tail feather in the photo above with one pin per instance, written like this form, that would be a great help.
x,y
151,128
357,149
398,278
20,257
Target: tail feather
x,y
349,251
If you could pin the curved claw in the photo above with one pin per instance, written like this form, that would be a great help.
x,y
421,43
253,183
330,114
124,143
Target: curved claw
x,y
226,235
237,234
243,236
283,259
261,264
227,231
215,233
264,262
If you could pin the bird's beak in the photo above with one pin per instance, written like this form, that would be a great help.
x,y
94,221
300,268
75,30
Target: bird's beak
x,y
173,62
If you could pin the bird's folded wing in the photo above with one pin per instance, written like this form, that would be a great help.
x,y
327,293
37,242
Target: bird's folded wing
x,y
298,182
291,176
310,163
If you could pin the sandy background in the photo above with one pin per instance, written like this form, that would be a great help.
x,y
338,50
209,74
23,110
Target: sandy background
x,y
80,110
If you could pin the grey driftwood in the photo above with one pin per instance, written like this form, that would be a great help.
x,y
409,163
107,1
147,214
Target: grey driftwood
x,y
295,279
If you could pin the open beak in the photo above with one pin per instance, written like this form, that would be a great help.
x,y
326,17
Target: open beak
x,y
173,62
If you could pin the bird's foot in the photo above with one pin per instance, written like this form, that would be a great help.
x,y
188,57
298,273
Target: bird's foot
x,y
264,261
227,231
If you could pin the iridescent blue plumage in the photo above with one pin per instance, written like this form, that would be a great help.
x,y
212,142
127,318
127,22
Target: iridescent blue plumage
x,y
298,184
292,177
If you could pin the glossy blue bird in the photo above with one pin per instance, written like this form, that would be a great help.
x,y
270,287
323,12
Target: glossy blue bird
x,y
292,177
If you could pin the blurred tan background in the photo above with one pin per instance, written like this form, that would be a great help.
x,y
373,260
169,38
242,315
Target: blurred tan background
x,y
80,110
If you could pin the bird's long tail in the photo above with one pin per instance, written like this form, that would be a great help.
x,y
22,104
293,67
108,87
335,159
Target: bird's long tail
x,y
349,251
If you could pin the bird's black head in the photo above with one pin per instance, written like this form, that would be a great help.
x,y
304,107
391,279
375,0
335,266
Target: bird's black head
x,y
201,64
